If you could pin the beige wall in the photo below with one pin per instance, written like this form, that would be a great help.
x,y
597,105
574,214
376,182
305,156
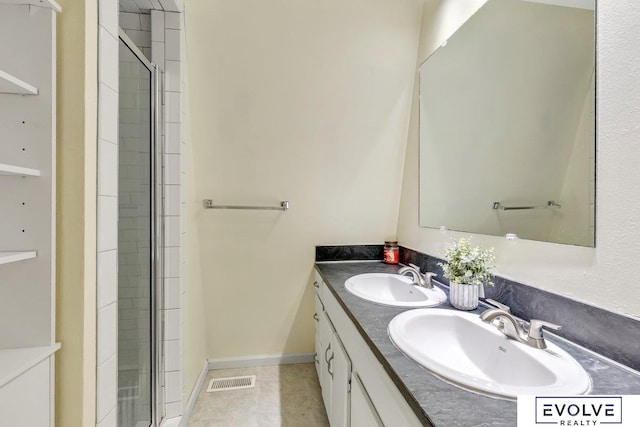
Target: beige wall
x,y
303,101
194,328
76,177
602,276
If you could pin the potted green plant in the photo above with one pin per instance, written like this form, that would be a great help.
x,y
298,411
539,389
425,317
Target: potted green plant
x,y
468,269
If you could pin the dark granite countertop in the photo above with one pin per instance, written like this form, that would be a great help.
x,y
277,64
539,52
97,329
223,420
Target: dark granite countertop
x,y
434,401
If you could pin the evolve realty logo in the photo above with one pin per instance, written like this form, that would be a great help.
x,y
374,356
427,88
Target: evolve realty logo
x,y
578,411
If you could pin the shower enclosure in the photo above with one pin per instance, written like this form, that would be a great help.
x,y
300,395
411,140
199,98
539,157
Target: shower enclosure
x,y
140,234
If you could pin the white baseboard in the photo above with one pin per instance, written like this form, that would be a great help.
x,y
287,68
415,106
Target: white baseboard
x,y
262,360
193,397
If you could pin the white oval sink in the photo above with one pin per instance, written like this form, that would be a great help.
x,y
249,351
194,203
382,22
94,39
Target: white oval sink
x,y
393,289
464,350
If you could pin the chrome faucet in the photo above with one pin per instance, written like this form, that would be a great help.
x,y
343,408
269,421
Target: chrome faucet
x,y
419,279
513,329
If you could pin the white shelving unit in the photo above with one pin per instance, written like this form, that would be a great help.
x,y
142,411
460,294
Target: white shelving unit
x,y
27,211
41,3
12,84
17,170
9,257
16,361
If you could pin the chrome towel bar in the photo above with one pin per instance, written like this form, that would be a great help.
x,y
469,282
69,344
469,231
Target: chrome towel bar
x,y
500,206
284,205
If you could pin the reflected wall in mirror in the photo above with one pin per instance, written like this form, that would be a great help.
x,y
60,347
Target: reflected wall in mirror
x,y
507,116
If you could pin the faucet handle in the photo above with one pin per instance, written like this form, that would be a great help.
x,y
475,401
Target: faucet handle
x,y
501,306
415,267
427,279
535,328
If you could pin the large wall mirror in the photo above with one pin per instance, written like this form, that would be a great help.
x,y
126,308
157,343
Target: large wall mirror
x,y
507,123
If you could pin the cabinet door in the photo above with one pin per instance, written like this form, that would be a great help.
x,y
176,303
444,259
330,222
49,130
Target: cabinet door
x,y
318,341
340,372
363,413
326,332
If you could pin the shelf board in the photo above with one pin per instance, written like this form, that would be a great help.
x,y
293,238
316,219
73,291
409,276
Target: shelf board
x,y
17,170
13,85
8,257
41,3
15,361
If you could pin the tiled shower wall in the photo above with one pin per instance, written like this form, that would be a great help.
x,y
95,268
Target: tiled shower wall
x,y
168,41
107,238
138,27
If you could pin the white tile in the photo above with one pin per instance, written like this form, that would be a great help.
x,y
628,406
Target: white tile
x,y
157,26
172,169
107,114
172,361
173,386
129,21
157,53
108,59
107,388
173,20
146,51
172,200
107,169
140,38
172,5
111,420
145,22
172,293
107,266
174,409
172,49
129,6
172,324
144,4
173,137
108,15
156,4
172,262
172,107
107,332
172,231
172,76
107,238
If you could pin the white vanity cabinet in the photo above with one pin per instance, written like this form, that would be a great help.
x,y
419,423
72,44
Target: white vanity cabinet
x,y
340,370
356,390
27,211
319,309
325,332
334,372
333,365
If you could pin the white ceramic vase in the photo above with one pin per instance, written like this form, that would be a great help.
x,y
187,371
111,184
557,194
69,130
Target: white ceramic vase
x,y
464,297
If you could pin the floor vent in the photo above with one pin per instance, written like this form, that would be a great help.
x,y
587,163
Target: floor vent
x,y
232,383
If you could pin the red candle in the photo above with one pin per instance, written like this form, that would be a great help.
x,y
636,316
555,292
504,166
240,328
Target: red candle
x,y
391,252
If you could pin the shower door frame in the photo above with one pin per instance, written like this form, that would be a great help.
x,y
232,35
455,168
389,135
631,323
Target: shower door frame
x,y
157,231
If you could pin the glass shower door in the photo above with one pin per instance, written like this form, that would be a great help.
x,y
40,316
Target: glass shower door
x,y
135,241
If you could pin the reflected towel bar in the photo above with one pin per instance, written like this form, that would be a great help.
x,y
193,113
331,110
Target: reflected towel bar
x,y
284,205
500,206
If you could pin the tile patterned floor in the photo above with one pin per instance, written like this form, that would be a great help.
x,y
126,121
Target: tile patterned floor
x,y
286,395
